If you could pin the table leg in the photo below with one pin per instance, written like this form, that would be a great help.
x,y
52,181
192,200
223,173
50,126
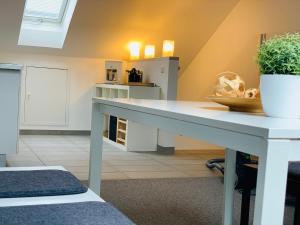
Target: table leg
x,y
96,149
229,182
271,184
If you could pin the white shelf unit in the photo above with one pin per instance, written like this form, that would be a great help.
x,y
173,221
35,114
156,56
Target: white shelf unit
x,y
129,135
162,71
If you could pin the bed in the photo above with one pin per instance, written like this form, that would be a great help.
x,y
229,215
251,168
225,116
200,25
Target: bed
x,y
68,209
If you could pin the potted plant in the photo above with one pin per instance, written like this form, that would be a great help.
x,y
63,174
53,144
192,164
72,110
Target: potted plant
x,y
279,63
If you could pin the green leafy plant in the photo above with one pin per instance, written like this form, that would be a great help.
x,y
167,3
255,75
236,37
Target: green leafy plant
x,y
280,55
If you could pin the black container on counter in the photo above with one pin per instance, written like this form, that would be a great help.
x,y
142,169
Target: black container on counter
x,y
135,75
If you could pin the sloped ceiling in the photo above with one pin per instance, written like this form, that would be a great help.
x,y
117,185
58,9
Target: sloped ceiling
x,y
102,28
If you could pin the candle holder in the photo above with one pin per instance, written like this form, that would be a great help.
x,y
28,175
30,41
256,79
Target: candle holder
x,y
168,48
134,50
149,51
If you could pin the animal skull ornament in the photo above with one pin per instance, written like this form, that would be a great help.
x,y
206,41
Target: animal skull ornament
x,y
230,85
252,93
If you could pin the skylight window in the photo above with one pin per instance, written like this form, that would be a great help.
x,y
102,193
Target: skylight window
x,y
46,22
45,10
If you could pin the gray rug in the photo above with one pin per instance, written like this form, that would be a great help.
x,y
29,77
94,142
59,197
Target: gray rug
x,y
180,201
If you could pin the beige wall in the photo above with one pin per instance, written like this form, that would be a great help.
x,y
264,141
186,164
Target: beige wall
x,y
233,45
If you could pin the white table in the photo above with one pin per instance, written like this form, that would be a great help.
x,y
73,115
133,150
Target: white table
x,y
275,141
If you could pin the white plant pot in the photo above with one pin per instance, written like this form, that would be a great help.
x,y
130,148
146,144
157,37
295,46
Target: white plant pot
x,y
280,95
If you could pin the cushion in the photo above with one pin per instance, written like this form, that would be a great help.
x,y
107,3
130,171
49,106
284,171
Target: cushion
x,y
34,183
83,213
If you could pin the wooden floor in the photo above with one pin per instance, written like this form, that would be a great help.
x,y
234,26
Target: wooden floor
x,y
72,152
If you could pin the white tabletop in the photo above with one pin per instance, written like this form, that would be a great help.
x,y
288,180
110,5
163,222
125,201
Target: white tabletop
x,y
213,115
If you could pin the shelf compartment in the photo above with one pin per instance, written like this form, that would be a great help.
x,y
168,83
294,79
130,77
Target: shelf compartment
x,y
121,139
122,126
122,131
105,92
122,93
122,121
121,135
126,131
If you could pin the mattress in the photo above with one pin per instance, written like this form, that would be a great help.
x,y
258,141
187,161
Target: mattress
x,y
36,183
80,209
84,197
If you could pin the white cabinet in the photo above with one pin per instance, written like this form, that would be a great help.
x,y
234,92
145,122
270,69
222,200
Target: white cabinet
x,y
46,96
127,135
163,72
10,82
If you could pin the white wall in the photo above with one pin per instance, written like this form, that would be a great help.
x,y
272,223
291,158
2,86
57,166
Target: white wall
x,y
83,74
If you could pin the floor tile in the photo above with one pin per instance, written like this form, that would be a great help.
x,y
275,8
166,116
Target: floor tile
x,y
23,149
21,157
49,144
61,153
65,157
72,152
65,163
81,176
24,163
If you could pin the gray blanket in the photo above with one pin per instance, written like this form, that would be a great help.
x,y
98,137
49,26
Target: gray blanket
x,y
83,213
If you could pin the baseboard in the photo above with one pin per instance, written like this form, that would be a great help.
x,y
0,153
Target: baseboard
x,y
165,150
55,132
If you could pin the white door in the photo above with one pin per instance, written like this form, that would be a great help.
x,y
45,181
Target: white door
x,y
46,96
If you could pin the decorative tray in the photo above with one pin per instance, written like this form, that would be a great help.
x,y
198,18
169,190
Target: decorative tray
x,y
252,105
141,84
